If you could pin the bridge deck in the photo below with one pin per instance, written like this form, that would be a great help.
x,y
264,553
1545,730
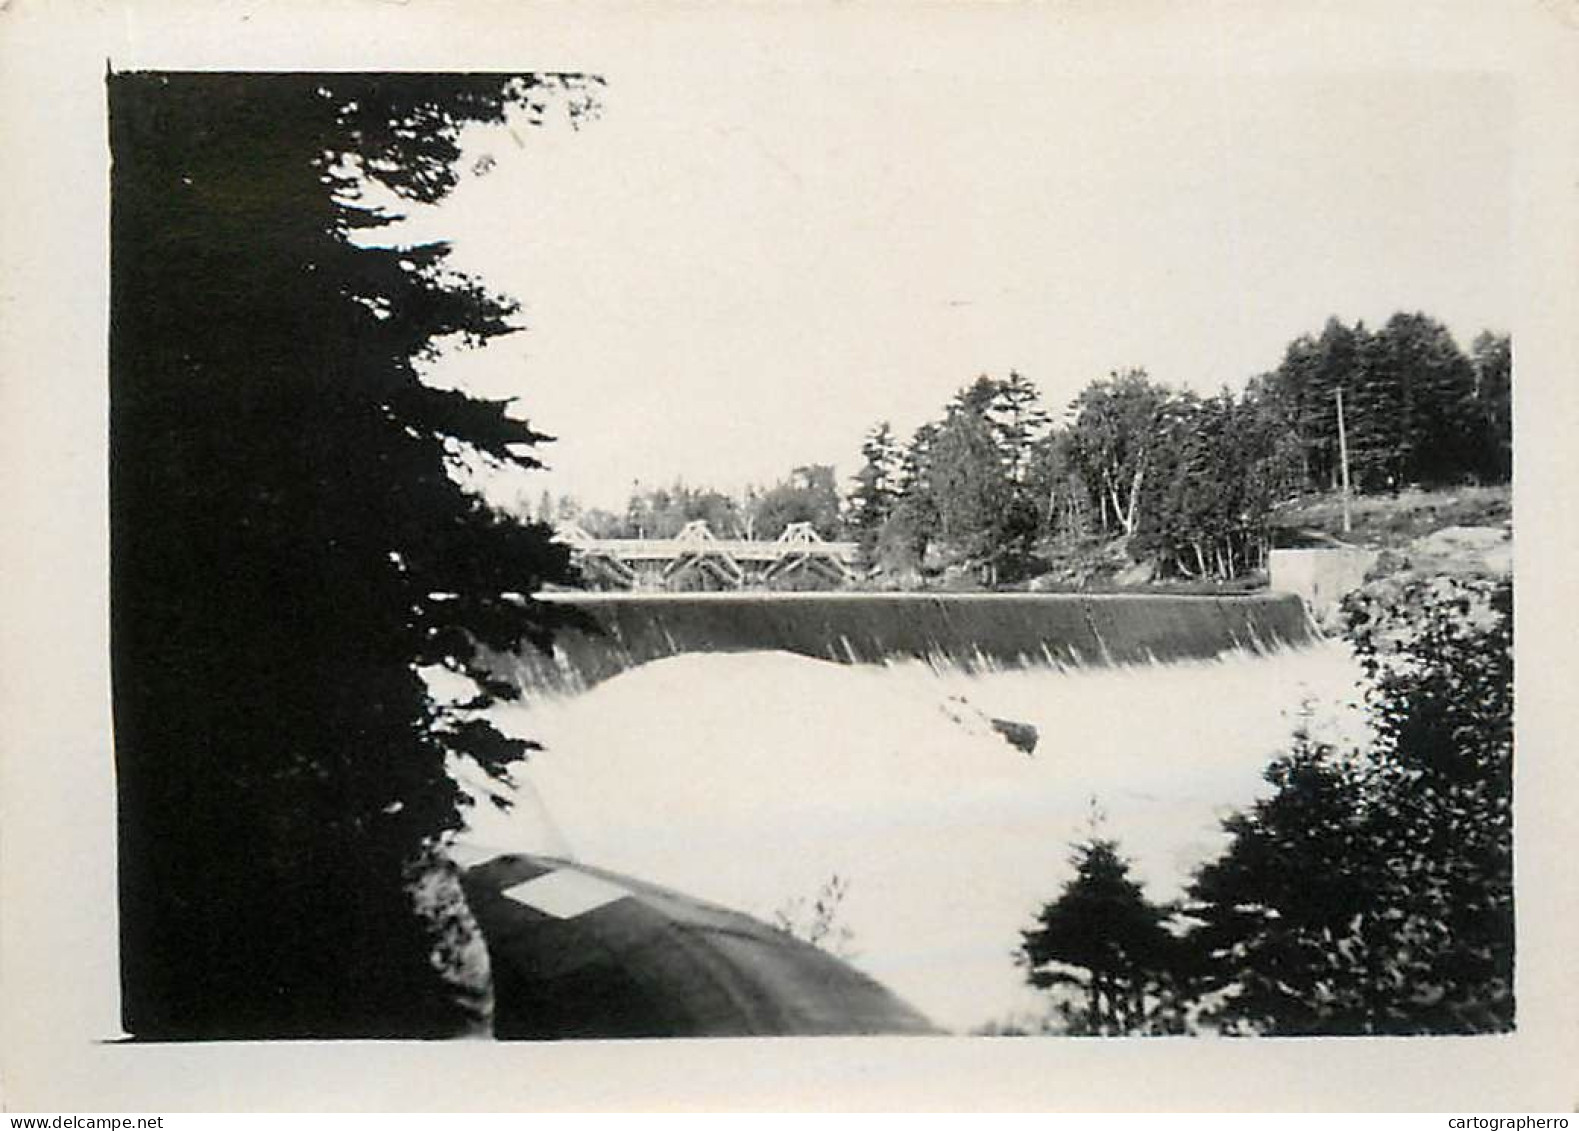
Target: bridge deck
x,y
669,549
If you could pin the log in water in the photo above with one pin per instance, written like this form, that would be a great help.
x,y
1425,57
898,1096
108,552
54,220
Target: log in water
x,y
972,631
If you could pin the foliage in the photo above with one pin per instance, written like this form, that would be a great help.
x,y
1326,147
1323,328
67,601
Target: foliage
x,y
993,492
1063,499
1417,410
1221,468
970,489
1011,409
962,488
876,488
291,547
1118,431
1103,939
811,494
1492,356
820,924
1187,483
1372,892
662,512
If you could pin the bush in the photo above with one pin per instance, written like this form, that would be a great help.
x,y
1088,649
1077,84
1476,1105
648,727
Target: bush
x,y
1372,892
1103,951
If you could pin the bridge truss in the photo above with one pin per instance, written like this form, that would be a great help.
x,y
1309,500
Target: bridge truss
x,y
696,552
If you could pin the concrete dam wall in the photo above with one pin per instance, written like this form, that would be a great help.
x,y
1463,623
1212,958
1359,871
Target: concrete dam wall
x,y
972,631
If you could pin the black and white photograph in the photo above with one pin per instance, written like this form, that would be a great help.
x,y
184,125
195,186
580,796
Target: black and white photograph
x,y
962,535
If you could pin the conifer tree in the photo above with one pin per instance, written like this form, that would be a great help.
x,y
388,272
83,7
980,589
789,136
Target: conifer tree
x,y
876,486
290,547
1106,940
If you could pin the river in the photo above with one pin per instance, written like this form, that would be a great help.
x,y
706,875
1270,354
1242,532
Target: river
x,y
752,778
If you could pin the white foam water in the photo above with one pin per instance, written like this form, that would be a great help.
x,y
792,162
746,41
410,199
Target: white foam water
x,y
750,779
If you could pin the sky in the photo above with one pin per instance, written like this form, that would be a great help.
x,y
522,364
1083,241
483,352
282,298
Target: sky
x,y
724,277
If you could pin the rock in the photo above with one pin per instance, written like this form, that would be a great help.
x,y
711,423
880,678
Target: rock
x,y
1022,736
1387,563
961,579
1459,549
1140,573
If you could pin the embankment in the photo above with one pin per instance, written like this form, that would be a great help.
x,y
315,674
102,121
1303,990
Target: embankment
x,y
969,630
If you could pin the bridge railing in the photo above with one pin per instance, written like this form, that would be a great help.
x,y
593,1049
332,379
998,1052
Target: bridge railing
x,y
697,539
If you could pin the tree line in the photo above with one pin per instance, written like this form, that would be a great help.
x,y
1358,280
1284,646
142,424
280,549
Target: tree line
x,y
808,494
998,487
1189,482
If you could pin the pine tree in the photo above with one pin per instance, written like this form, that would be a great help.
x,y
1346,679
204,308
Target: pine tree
x,y
912,525
1492,356
1020,421
1104,939
876,487
968,486
290,547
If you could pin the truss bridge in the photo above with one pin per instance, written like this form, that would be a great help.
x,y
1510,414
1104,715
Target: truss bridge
x,y
696,555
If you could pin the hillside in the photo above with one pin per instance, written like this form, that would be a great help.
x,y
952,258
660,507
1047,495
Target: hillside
x,y
1390,522
1429,531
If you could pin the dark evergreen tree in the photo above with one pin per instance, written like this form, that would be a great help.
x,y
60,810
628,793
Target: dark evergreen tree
x,y
983,518
1492,357
1417,410
977,397
1413,417
912,524
1012,410
1105,940
1450,436
969,486
1019,422
1308,381
289,547
1283,912
876,487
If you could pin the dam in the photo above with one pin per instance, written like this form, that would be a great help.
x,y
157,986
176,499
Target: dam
x,y
972,631
750,748
705,742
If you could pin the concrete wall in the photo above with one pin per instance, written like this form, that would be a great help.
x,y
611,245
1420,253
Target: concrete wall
x,y
1008,629
1321,576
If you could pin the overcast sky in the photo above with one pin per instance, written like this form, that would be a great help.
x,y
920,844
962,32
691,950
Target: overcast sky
x,y
727,276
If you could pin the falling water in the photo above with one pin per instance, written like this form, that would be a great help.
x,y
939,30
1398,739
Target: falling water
x,y
973,631
751,778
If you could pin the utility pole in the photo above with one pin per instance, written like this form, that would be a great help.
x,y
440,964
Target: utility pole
x,y
1343,457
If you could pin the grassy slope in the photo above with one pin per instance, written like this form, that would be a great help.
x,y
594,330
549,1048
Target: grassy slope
x,y
1383,522
1391,521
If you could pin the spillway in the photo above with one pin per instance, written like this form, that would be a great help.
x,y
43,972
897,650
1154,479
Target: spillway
x,y
707,743
750,779
969,631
